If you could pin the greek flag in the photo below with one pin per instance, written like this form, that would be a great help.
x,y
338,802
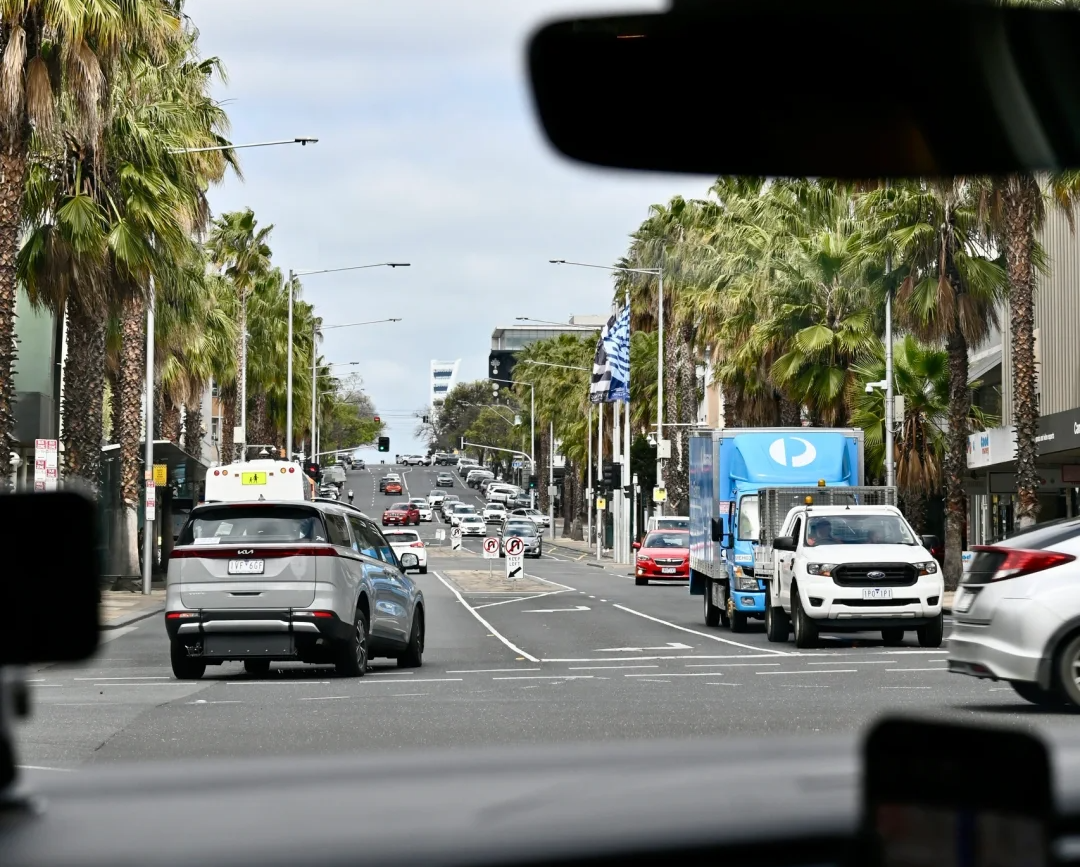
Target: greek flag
x,y
611,366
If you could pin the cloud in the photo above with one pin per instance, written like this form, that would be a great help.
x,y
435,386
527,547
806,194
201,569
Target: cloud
x,y
429,153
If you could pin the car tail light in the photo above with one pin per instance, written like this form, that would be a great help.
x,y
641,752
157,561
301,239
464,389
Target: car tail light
x,y
181,615
1004,563
417,545
204,552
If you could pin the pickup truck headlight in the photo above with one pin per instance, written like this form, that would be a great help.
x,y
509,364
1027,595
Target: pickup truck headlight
x,y
823,569
928,568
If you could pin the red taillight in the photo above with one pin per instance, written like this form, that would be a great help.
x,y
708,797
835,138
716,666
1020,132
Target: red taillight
x,y
217,472
1020,561
292,469
322,614
206,552
180,615
417,545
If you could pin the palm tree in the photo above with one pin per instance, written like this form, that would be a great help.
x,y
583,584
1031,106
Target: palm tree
x,y
58,60
949,290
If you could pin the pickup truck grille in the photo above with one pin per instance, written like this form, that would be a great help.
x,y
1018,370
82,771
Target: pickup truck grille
x,y
857,575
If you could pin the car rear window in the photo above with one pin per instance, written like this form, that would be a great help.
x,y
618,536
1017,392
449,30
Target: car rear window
x,y
248,523
528,529
402,537
1044,535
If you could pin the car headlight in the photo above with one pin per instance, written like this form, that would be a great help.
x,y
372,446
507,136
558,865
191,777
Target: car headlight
x,y
824,569
745,583
930,567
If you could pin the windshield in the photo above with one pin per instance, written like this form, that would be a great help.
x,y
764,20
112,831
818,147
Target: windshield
x,y
242,524
666,540
400,507
853,529
749,529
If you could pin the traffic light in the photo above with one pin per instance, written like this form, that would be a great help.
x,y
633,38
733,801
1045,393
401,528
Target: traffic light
x,y
532,482
378,420
384,442
314,471
612,474
427,419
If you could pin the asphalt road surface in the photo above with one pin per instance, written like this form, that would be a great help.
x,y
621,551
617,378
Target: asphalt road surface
x,y
569,653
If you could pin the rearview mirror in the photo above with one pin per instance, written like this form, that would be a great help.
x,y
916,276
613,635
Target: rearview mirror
x,y
784,543
928,541
409,561
68,631
1017,68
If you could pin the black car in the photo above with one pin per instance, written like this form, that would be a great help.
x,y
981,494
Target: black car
x,y
444,480
382,484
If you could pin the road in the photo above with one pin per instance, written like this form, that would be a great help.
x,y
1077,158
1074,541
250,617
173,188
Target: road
x,y
570,653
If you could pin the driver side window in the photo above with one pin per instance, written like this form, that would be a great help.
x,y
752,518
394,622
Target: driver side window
x,y
796,531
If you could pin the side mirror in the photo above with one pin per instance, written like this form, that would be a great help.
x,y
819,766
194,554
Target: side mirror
x,y
784,543
409,561
636,546
928,541
717,530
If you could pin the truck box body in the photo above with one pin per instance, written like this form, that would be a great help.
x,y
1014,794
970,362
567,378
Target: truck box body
x,y
727,468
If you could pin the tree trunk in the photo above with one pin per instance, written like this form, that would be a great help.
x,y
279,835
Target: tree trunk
x,y
569,499
913,505
170,419
542,461
226,445
955,461
241,379
790,413
1021,200
262,431
84,387
581,508
13,166
129,429
193,437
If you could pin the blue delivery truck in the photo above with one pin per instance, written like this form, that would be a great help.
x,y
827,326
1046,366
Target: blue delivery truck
x,y
727,468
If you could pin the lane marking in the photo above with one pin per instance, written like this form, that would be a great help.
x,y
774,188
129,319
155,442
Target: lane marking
x,y
657,658
519,599
555,610
913,687
859,662
325,698
271,682
142,677
479,617
167,683
422,680
671,645
729,664
43,768
823,671
490,670
608,667
385,673
702,634
942,670
114,634
550,677
681,674
405,694
912,651
215,701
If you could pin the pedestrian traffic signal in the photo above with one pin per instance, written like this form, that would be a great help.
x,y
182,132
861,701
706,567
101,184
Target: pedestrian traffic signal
x,y
384,442
532,483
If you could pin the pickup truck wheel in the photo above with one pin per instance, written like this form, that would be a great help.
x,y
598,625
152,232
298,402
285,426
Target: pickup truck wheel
x,y
933,633
737,620
806,631
777,624
712,612
185,667
893,637
352,657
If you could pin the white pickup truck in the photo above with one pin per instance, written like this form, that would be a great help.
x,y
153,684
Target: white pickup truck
x,y
845,560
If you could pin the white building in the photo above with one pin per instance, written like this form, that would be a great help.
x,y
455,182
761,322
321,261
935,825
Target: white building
x,y
443,378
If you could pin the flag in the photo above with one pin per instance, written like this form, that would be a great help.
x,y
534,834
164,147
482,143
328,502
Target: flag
x,y
611,365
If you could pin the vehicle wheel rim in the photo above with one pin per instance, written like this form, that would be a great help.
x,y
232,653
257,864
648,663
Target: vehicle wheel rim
x,y
420,638
361,645
1076,671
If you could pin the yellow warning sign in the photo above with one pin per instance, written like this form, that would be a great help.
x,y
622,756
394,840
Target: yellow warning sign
x,y
253,478
161,474
601,503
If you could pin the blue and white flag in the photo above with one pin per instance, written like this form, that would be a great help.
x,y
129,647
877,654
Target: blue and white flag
x,y
611,366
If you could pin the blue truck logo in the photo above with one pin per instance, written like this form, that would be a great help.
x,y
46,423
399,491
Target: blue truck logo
x,y
781,452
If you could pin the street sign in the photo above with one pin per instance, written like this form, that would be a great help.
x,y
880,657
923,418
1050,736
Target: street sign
x,y
161,475
517,465
151,501
601,503
46,463
515,558
440,534
659,495
455,538
491,548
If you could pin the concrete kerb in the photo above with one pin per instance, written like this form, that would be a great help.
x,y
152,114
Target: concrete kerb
x,y
134,617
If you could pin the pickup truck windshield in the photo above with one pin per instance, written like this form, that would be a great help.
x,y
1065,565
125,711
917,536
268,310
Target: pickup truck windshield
x,y
854,529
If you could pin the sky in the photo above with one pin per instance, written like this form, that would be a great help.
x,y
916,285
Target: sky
x,y
428,153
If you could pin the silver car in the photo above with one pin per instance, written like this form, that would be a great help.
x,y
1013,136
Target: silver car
x,y
525,530
299,582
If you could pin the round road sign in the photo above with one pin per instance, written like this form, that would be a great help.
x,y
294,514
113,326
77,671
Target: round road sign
x,y
514,546
491,545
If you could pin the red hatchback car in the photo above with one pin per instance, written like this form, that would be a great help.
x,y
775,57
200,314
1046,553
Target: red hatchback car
x,y
664,556
401,513
392,488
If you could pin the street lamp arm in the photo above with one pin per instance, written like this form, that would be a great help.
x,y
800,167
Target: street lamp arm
x,y
301,140
654,271
351,268
353,324
549,364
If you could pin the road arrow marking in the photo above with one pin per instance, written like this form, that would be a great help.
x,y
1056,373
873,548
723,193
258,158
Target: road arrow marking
x,y
674,645
554,610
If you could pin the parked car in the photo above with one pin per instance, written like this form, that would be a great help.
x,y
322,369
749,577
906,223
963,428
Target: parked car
x,y
401,513
408,542
663,555
266,556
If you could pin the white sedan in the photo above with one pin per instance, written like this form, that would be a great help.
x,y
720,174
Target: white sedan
x,y
424,508
472,525
536,515
408,541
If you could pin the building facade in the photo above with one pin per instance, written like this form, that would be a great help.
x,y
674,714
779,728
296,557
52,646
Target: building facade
x,y
444,376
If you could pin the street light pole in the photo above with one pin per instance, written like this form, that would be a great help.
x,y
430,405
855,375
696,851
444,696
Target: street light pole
x,y
890,465
551,480
289,385
588,484
148,447
660,393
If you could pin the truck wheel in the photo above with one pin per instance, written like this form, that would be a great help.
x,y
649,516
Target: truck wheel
x,y
893,637
777,624
806,631
185,667
738,620
712,612
933,633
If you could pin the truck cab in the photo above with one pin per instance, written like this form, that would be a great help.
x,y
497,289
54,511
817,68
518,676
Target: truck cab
x,y
728,467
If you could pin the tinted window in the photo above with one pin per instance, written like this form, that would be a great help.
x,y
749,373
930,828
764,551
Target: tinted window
x,y
520,529
373,544
401,537
244,524
673,524
1045,535
339,532
400,507
658,539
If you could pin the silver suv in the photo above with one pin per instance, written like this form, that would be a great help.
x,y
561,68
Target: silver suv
x,y
300,582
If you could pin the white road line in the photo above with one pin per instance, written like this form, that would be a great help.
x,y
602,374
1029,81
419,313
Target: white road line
x,y
912,651
273,682
141,677
490,628
702,634
555,610
167,683
909,687
729,664
519,599
658,658
549,677
42,768
942,670
823,671
325,697
552,583
385,673
607,667
490,670
421,680
216,701
858,662
114,634
680,674
405,694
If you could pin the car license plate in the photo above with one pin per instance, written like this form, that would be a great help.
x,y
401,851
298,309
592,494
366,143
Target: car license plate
x,y
877,593
245,567
964,602
668,570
